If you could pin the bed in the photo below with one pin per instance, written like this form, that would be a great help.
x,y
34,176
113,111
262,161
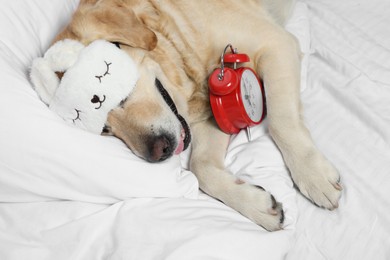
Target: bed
x,y
69,194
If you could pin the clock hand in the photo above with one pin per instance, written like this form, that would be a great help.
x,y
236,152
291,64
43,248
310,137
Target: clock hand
x,y
248,99
247,96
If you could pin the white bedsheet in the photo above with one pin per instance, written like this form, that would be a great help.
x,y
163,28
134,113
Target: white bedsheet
x,y
345,90
347,104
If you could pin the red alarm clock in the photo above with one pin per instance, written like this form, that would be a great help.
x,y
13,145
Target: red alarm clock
x,y
236,94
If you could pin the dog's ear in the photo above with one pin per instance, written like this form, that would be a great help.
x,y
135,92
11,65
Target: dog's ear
x,y
127,29
109,20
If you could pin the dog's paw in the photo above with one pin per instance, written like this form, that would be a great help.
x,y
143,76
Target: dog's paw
x,y
259,206
318,180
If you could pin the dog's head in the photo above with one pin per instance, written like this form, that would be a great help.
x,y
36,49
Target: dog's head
x,y
151,119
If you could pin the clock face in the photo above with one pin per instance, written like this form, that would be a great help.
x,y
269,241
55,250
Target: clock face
x,y
251,95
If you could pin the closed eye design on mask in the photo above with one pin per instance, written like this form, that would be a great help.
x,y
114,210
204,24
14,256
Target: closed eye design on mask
x,y
105,73
77,115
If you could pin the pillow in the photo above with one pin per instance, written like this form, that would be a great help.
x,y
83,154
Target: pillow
x,y
44,158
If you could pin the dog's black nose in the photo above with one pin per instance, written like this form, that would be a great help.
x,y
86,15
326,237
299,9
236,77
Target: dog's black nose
x,y
160,148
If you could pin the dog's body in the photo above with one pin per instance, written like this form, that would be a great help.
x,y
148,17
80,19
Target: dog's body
x,y
176,45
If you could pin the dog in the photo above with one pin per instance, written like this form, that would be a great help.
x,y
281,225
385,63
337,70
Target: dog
x,y
176,46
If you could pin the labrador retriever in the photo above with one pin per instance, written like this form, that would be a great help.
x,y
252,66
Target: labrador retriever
x,y
177,45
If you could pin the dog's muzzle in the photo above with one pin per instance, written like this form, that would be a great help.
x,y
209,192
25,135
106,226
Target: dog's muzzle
x,y
161,148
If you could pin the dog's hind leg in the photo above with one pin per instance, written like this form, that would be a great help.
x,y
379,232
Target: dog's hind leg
x,y
207,162
278,63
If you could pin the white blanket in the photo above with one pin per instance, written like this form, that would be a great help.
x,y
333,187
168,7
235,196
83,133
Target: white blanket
x,y
69,194
347,104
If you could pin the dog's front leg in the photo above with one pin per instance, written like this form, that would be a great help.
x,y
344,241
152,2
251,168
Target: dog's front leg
x,y
279,65
207,162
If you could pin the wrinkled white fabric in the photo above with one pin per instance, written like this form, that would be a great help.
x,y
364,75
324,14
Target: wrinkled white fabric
x,y
347,109
69,194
